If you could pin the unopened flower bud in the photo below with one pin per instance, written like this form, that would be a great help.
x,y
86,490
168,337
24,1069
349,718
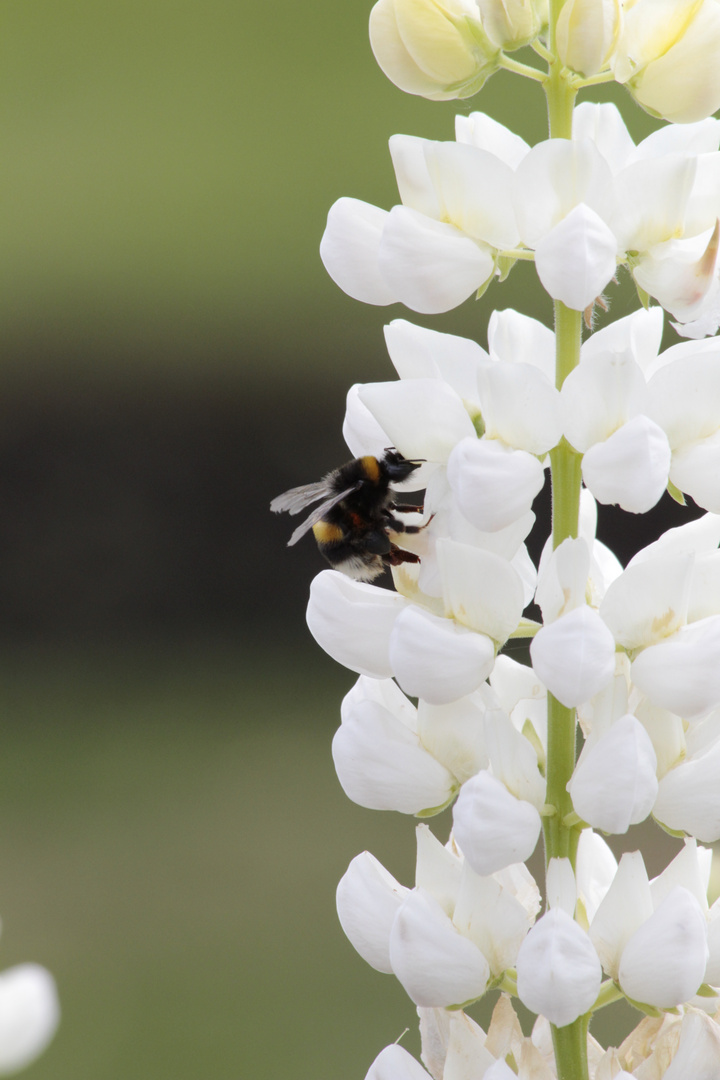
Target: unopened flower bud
x,y
437,50
667,56
587,32
513,23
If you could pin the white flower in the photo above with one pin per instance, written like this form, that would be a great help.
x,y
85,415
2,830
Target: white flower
x,y
558,970
29,1015
379,758
444,938
652,939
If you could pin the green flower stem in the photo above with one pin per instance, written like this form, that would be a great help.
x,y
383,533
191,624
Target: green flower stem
x,y
569,1042
596,80
527,70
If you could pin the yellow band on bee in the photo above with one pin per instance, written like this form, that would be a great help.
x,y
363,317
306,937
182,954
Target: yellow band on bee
x,y
325,532
371,468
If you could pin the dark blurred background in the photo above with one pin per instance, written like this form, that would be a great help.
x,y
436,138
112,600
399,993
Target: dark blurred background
x,y
172,355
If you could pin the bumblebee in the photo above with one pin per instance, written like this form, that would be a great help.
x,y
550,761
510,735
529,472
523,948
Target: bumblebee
x,y
353,523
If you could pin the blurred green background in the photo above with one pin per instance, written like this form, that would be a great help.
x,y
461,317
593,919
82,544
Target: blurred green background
x,y
172,355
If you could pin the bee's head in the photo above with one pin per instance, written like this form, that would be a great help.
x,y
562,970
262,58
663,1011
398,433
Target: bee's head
x,y
398,467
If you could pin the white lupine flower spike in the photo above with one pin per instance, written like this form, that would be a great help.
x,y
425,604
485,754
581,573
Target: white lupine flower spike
x,y
616,719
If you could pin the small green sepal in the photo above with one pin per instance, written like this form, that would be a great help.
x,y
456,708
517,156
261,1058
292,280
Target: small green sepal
x,y
676,493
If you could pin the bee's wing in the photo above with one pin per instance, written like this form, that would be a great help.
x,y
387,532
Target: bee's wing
x,y
320,511
297,498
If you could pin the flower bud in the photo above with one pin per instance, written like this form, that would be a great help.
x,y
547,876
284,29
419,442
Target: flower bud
x,y
437,50
513,23
667,56
587,32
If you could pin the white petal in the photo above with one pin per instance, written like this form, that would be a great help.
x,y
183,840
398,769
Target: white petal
x,y
595,869
415,185
640,334
698,1052
563,579
561,887
349,250
382,765
603,392
394,1063
698,537
649,600
682,674
689,797
664,961
680,274
453,734
521,407
626,906
436,659
691,869
361,431
513,338
352,621
577,259
29,1014
695,470
492,827
574,656
631,467
555,178
493,484
367,898
614,784
476,191
438,869
480,589
419,353
651,200
558,970
429,265
437,966
467,1057
425,418
491,917
604,125
513,759
479,129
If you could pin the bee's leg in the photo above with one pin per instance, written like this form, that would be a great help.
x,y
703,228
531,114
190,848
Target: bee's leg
x,y
400,527
405,508
396,556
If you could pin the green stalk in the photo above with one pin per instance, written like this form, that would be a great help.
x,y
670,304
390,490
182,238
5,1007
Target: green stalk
x,y
569,1042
